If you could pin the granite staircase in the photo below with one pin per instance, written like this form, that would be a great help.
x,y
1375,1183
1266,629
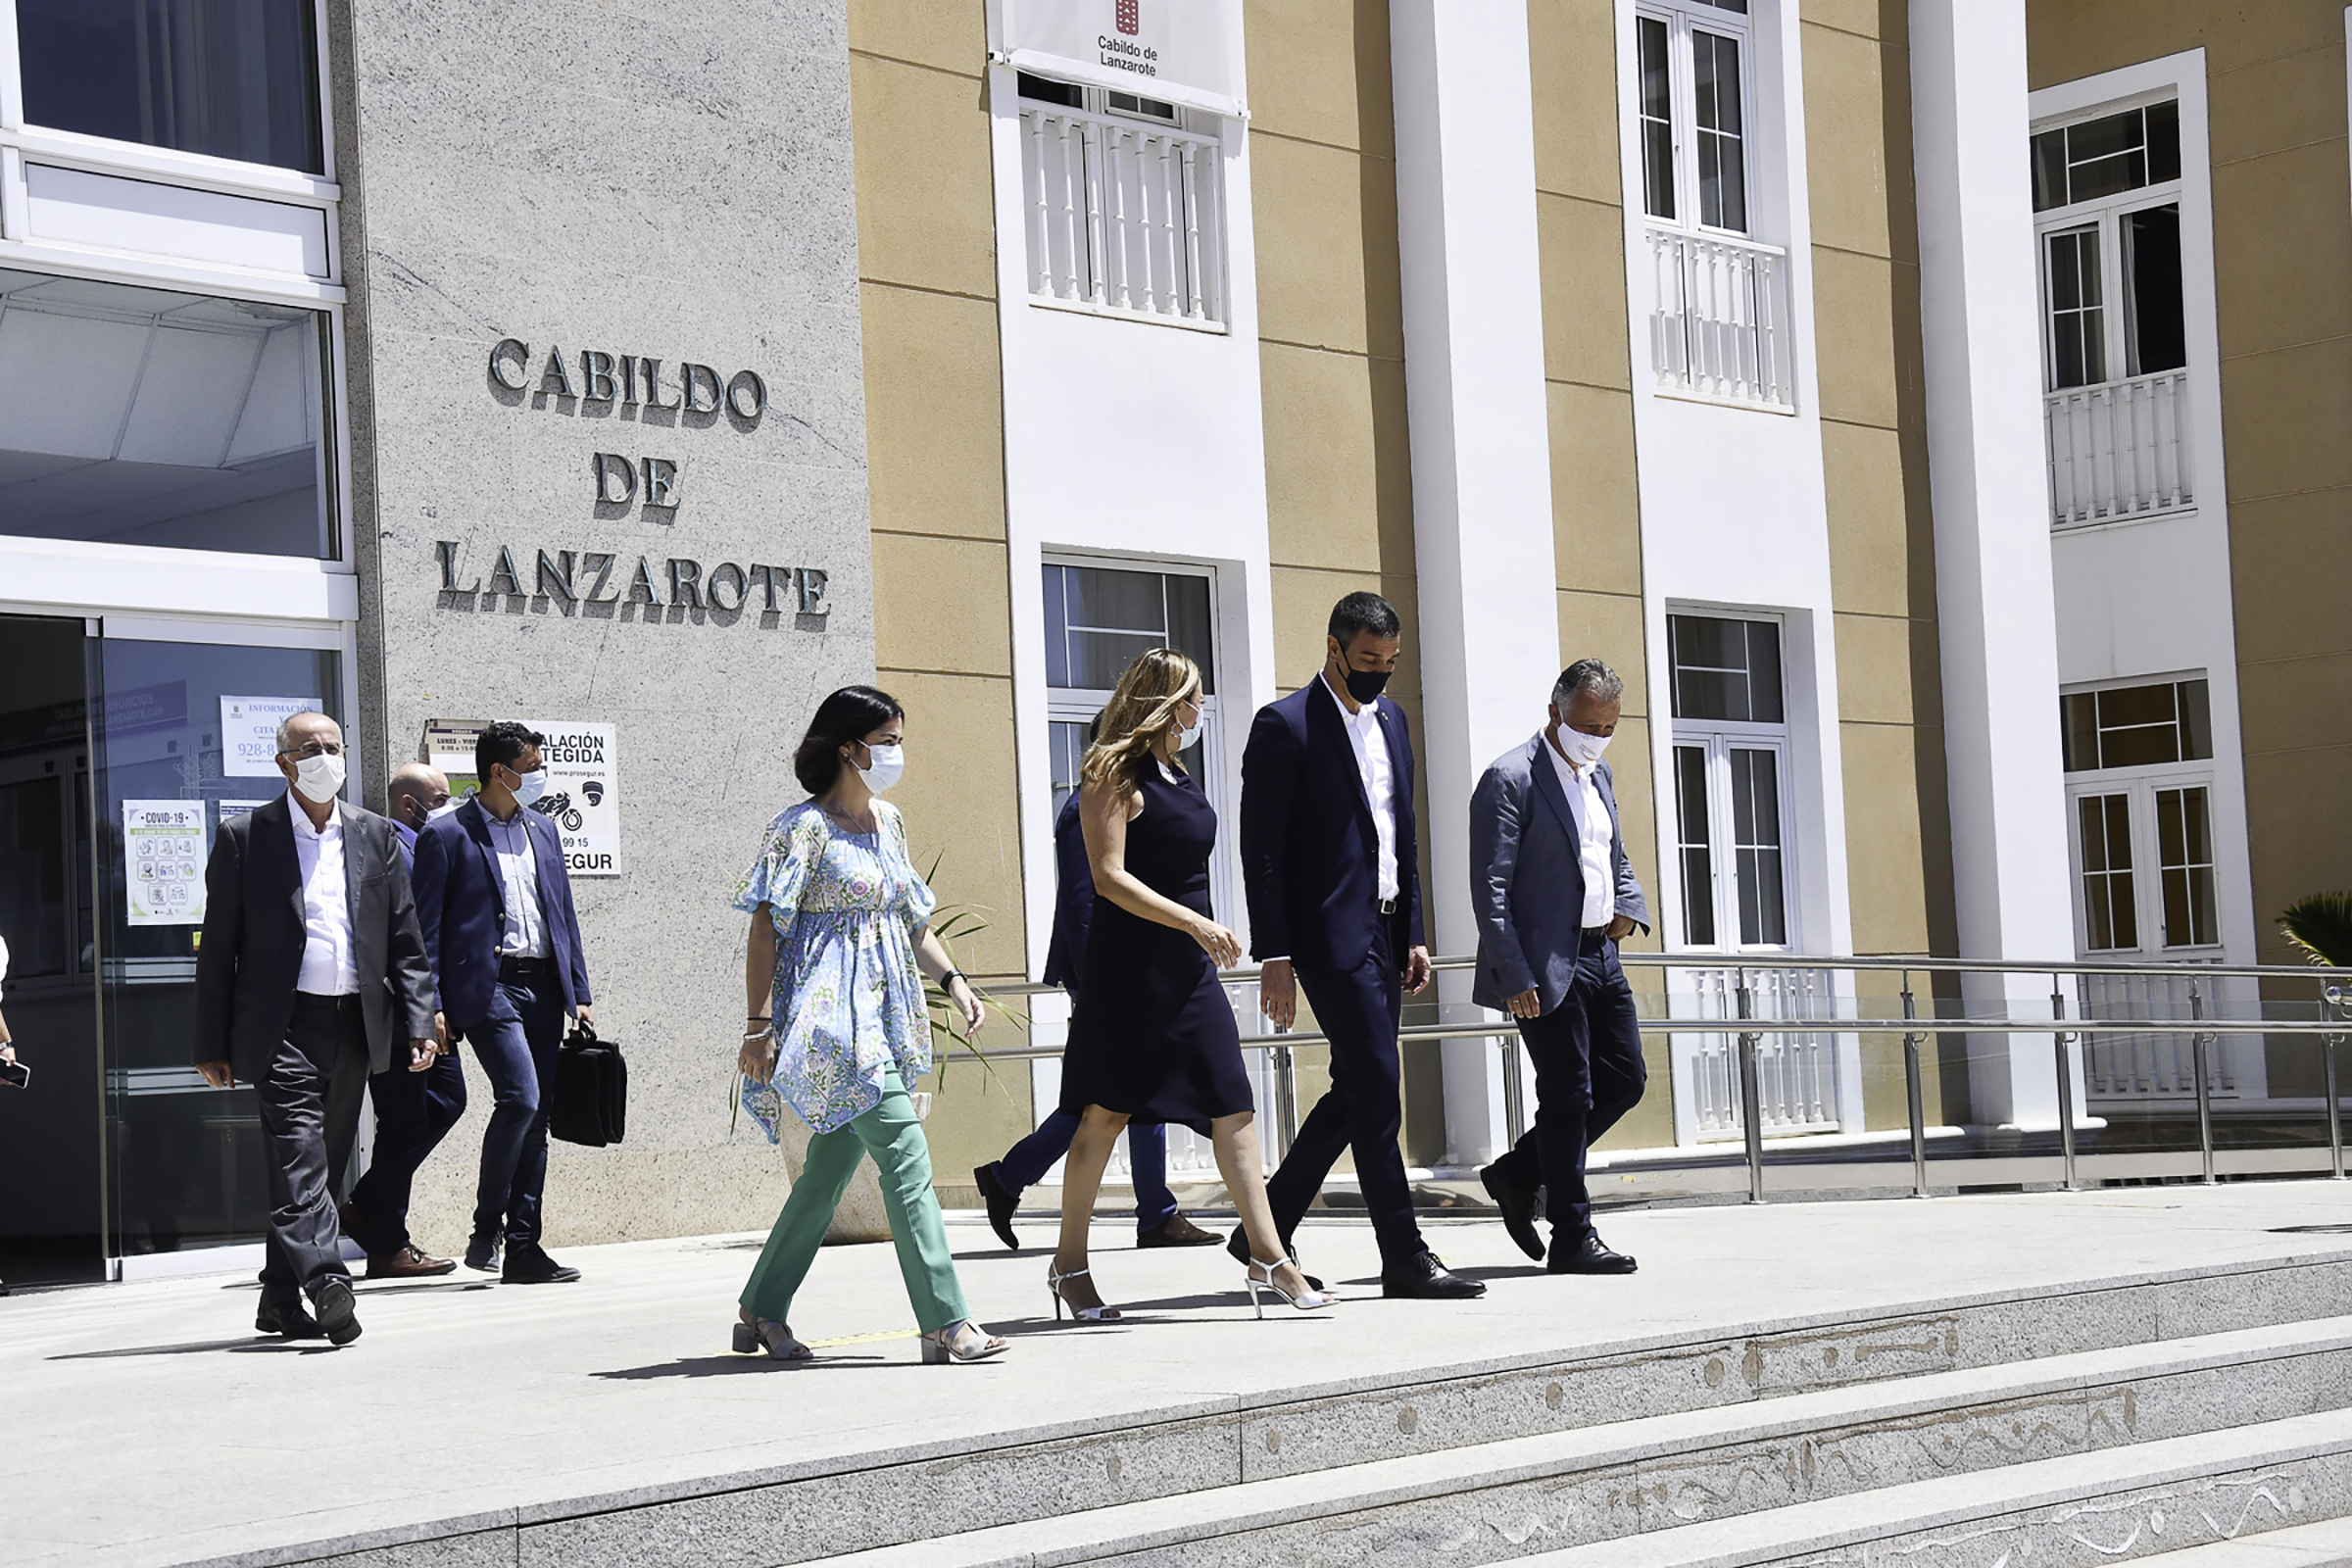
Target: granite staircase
x,y
2200,1419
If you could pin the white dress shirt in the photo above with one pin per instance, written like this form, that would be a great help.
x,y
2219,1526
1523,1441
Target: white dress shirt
x,y
1380,780
328,967
1595,834
525,935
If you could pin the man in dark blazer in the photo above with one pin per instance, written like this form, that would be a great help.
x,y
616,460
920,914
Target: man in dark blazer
x,y
1555,894
1331,874
1157,1221
311,975
494,899
414,1111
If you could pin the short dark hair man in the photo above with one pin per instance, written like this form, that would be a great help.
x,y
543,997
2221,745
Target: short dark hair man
x,y
1553,893
1332,879
494,899
415,1107
311,972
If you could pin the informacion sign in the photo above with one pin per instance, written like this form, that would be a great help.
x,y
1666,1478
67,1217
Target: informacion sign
x,y
249,732
449,751
583,795
163,862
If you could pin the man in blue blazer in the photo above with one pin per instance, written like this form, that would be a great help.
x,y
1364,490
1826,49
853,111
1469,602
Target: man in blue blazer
x,y
1554,893
494,899
1332,874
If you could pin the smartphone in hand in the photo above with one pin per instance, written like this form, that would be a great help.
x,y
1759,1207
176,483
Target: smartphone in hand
x,y
15,1075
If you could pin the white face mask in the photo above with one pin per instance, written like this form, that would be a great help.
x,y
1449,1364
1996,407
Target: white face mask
x,y
320,778
1190,736
890,766
1580,748
533,786
442,811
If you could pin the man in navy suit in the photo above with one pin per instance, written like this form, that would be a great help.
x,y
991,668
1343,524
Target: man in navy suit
x,y
1157,1221
414,1110
1554,893
1332,874
494,899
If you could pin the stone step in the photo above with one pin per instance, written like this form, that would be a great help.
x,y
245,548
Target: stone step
x,y
1655,1475
2325,1544
912,1494
2154,1502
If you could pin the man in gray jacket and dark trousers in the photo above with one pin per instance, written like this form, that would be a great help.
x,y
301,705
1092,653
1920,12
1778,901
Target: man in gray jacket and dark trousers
x,y
1553,893
310,974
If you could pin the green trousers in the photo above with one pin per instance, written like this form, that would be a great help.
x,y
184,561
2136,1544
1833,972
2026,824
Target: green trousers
x,y
892,1134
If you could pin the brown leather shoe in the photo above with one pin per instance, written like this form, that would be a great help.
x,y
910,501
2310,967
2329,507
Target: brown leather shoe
x,y
1177,1231
408,1264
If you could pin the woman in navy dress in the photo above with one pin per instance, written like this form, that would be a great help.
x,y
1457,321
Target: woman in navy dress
x,y
1154,1036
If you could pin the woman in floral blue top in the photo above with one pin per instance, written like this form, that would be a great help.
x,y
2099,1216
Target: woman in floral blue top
x,y
838,1027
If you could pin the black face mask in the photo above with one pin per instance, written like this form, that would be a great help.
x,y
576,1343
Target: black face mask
x,y
1364,685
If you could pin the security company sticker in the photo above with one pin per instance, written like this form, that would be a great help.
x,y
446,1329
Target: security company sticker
x,y
163,862
583,794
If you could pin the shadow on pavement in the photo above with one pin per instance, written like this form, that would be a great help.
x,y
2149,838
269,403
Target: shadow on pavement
x,y
245,1345
720,1366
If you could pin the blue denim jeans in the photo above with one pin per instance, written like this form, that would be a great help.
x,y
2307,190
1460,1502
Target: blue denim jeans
x,y
516,1044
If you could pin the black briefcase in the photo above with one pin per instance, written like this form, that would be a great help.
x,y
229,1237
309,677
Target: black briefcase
x,y
592,1091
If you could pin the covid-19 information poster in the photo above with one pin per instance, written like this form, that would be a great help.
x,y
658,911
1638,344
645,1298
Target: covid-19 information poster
x,y
163,862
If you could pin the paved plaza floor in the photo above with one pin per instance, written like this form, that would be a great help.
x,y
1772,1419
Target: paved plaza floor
x,y
146,1423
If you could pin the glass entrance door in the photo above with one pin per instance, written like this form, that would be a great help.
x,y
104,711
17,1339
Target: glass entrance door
x,y
50,1158
185,742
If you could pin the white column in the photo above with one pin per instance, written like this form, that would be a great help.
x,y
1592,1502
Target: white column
x,y
1488,635
1980,313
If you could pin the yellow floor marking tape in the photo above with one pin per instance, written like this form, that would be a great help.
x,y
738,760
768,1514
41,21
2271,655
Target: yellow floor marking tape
x,y
863,1339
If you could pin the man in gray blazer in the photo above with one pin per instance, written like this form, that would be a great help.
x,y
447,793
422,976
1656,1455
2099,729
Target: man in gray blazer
x,y
311,973
1554,893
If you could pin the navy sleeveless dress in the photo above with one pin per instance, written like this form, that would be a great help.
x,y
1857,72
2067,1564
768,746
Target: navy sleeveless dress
x,y
1153,1035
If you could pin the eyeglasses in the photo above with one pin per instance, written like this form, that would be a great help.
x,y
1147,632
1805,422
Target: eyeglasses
x,y
317,749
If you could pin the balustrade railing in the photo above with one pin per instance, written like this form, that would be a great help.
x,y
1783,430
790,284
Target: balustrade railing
x,y
1719,322
2119,449
1123,217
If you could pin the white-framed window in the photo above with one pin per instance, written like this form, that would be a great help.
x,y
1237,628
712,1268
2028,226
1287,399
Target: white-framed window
x,y
1719,324
231,81
2114,340
1125,212
1694,62
1733,843
170,369
2140,819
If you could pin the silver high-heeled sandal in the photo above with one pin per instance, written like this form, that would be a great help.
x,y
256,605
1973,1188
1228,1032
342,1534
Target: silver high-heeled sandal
x,y
1054,1279
1261,1278
943,1346
767,1334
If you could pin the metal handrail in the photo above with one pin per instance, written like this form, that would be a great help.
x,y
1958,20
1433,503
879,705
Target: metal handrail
x,y
2334,1003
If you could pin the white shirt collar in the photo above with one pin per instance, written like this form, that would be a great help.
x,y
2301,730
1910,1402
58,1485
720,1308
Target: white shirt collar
x,y
302,818
1365,712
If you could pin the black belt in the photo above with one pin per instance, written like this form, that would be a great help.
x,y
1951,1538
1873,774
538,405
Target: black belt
x,y
349,998
511,966
1384,906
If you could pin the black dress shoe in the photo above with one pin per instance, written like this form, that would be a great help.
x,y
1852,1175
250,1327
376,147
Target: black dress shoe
x,y
1592,1255
1238,1244
336,1315
292,1321
1427,1279
1518,1211
481,1254
526,1264
1001,1202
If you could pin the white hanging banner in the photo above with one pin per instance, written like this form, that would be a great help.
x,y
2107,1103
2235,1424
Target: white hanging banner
x,y
1185,52
163,862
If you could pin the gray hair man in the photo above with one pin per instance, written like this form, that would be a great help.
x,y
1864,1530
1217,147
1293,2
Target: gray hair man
x,y
1555,894
312,975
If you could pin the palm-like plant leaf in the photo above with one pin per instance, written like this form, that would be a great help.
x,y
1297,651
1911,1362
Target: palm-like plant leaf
x,y
2322,926
949,921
